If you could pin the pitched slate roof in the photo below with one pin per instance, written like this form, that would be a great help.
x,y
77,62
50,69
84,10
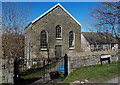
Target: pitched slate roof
x,y
103,38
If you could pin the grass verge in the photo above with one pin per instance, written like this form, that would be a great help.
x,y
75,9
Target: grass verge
x,y
95,74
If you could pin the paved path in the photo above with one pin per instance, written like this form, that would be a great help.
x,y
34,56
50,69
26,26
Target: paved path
x,y
47,78
114,80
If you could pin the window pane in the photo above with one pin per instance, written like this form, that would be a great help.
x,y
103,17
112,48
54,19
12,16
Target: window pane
x,y
71,39
58,31
43,39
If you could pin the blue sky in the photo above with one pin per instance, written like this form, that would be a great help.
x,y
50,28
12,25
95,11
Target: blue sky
x,y
59,0
79,10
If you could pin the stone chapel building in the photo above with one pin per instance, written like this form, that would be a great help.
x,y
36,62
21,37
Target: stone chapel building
x,y
55,33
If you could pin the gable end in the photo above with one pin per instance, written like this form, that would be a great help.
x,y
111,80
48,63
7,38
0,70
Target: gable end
x,y
53,9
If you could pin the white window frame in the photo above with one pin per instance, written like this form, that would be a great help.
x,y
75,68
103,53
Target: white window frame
x,y
44,49
73,43
60,33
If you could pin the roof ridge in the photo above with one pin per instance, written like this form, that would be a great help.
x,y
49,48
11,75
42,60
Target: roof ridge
x,y
58,4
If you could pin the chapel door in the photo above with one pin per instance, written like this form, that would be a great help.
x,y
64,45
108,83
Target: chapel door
x,y
58,51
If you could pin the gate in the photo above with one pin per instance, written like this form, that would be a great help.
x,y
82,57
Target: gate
x,y
42,70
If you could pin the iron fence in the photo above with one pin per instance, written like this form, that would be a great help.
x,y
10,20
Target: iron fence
x,y
48,70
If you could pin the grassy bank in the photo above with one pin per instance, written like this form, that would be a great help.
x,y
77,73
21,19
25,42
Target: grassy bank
x,y
95,73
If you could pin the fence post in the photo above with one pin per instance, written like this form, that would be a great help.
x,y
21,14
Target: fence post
x,y
65,65
69,67
43,69
16,72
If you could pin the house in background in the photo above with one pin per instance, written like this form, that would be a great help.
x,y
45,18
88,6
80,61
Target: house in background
x,y
53,34
91,41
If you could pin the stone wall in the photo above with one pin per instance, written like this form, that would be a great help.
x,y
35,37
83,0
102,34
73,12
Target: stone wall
x,y
6,70
48,22
0,70
77,60
11,45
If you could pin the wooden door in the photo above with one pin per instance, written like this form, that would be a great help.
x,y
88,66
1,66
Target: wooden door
x,y
58,51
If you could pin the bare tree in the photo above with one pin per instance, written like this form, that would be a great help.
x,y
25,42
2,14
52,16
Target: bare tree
x,y
13,45
14,17
104,21
0,14
107,17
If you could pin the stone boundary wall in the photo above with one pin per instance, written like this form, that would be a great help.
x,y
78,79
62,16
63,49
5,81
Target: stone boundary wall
x,y
0,70
7,70
77,60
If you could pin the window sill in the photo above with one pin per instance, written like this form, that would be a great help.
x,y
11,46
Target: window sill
x,y
44,49
59,38
71,48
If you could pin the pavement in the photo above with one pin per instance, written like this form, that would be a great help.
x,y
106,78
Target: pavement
x,y
114,80
46,78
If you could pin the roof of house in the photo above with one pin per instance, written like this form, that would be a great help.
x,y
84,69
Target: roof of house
x,y
103,38
51,10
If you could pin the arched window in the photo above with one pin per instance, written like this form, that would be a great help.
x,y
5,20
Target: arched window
x,y
71,39
58,32
43,40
